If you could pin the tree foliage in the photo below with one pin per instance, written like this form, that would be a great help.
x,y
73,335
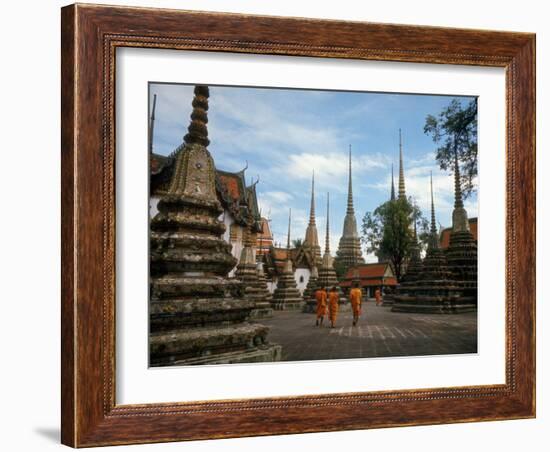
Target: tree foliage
x,y
388,232
455,130
297,243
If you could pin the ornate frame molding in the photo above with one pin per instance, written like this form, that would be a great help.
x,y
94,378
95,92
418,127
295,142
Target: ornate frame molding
x,y
90,37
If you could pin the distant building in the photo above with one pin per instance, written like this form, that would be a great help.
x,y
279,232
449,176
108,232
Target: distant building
x,y
370,276
303,258
264,239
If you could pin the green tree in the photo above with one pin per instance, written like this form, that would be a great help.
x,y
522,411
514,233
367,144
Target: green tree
x,y
455,130
297,243
388,232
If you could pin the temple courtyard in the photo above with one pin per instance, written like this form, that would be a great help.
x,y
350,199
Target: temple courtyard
x,y
380,333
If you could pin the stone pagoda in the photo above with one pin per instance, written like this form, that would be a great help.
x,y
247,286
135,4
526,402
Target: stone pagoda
x,y
462,251
261,283
197,314
414,269
327,274
435,290
349,248
309,292
311,241
286,296
247,273
401,187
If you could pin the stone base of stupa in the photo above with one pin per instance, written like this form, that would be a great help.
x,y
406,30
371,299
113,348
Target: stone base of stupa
x,y
203,323
262,310
310,307
288,305
244,343
433,304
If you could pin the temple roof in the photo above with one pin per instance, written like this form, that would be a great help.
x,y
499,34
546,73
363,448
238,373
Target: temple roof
x,y
265,230
241,200
445,234
374,270
370,274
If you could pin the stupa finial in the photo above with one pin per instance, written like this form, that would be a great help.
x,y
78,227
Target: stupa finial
x,y
458,190
392,193
433,227
312,204
197,132
350,187
327,236
288,233
401,193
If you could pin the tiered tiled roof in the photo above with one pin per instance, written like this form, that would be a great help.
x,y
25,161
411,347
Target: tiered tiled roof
x,y
370,275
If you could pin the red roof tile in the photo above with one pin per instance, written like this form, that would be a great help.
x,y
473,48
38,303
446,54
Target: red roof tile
x,y
367,271
232,185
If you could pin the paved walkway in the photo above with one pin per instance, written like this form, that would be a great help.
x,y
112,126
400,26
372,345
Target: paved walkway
x,y
380,333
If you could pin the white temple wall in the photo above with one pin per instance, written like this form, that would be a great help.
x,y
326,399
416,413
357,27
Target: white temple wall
x,y
271,286
301,275
237,242
153,210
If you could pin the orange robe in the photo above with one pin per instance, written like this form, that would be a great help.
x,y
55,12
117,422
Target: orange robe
x,y
377,296
355,296
333,299
321,298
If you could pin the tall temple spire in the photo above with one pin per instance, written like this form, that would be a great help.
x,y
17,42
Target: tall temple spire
x,y
401,192
312,204
288,233
327,234
350,210
311,241
458,191
349,248
460,216
152,124
392,195
433,227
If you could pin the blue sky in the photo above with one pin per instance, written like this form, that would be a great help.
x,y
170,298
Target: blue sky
x,y
285,134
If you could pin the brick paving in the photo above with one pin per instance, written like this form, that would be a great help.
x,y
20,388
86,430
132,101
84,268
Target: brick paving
x,y
380,333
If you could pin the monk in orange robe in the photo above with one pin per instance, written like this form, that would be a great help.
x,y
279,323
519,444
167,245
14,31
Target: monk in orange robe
x,y
378,296
355,298
333,300
321,298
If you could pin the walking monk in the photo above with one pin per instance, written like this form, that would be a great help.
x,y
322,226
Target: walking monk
x,y
355,297
378,296
333,300
321,298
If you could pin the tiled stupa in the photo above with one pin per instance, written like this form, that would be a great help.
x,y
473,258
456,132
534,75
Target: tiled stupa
x,y
327,274
286,296
247,273
309,292
434,290
197,314
462,251
349,248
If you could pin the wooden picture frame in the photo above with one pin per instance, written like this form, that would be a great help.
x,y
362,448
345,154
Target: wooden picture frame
x,y
90,36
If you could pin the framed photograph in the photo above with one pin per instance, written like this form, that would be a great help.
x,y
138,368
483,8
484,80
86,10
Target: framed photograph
x,y
282,225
